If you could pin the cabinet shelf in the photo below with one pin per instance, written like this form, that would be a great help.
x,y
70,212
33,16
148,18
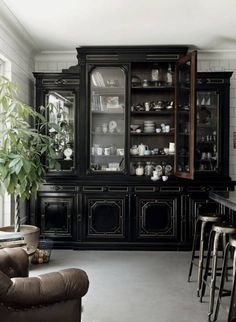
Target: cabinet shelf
x,y
206,125
146,88
108,112
152,134
156,113
108,134
108,91
113,156
152,156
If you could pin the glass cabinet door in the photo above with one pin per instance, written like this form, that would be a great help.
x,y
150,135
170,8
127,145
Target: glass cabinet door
x,y
206,131
185,116
107,119
61,111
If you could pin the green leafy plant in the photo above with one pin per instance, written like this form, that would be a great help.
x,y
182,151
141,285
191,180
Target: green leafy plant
x,y
23,145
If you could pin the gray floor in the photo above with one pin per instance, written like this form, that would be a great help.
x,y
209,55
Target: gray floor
x,y
133,286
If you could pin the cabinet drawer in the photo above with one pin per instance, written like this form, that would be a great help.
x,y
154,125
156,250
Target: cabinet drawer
x,y
145,189
171,189
118,189
93,189
58,188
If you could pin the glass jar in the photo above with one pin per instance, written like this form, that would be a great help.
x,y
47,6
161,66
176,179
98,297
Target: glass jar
x,y
139,170
148,169
155,75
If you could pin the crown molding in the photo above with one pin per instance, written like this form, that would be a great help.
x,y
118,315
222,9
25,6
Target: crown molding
x,y
14,29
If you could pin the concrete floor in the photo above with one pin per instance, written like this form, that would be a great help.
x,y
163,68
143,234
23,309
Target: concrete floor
x,y
134,286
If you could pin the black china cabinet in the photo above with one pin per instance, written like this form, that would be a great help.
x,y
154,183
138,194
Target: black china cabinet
x,y
144,139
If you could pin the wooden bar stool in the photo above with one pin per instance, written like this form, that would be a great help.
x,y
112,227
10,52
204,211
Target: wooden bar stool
x,y
222,291
218,231
200,230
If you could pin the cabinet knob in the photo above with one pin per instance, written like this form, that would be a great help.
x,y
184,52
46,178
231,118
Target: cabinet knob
x,y
60,82
57,188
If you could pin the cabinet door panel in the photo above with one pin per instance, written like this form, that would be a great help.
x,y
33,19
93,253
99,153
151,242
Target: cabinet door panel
x,y
56,215
107,104
105,217
157,218
62,113
185,116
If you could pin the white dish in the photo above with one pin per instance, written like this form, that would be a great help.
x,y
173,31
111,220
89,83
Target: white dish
x,y
155,178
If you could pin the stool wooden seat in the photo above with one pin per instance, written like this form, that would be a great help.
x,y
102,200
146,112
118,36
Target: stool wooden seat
x,y
223,230
200,229
222,291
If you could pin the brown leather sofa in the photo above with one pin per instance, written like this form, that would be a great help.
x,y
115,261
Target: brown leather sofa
x,y
52,297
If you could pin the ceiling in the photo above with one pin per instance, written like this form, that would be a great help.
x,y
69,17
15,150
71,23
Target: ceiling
x,y
67,24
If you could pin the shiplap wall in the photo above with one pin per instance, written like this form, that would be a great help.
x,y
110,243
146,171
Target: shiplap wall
x,y
18,51
210,61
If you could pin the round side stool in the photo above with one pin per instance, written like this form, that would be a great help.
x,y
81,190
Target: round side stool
x,y
200,230
218,231
222,292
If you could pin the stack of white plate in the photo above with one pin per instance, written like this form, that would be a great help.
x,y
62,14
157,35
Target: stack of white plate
x,y
148,127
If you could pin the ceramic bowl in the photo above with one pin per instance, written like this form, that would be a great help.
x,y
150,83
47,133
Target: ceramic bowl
x,y
134,127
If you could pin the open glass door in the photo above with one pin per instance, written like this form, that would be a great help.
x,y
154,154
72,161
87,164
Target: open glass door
x,y
185,116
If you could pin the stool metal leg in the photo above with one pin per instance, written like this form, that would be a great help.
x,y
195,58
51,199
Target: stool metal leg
x,y
232,307
206,272
224,248
201,257
222,282
193,250
213,278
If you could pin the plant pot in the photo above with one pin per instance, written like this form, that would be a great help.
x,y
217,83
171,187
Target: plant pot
x,y
31,235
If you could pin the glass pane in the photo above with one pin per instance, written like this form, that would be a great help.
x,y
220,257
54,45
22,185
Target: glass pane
x,y
183,119
107,119
207,131
61,112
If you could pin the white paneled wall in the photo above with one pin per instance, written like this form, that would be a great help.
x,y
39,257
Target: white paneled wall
x,y
18,51
55,61
207,61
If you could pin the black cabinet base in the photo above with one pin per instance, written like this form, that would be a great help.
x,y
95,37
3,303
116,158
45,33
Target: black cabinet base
x,y
123,246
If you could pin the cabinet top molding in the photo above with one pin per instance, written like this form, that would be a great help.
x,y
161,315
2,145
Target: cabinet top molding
x,y
140,48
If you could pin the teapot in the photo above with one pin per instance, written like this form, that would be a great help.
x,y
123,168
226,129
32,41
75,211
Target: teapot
x,y
134,150
142,148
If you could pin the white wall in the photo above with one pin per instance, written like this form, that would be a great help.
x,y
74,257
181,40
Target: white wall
x,y
16,46
19,51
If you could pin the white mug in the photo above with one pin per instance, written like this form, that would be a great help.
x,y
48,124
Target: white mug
x,y
154,173
99,150
107,151
171,147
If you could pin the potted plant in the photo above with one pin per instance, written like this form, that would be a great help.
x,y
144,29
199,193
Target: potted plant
x,y
23,144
